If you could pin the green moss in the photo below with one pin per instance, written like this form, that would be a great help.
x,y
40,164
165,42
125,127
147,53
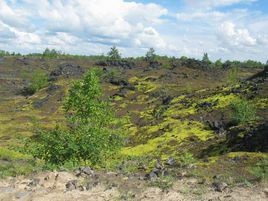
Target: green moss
x,y
248,154
261,102
176,130
118,98
179,110
10,155
222,100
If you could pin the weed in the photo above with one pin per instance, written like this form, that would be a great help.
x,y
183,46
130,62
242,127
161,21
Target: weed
x,y
243,111
260,170
186,159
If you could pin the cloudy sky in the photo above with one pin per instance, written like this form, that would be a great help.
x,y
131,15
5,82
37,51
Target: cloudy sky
x,y
227,29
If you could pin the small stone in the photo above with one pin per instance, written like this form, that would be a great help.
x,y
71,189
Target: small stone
x,y
87,170
219,187
171,161
71,185
158,165
150,176
34,182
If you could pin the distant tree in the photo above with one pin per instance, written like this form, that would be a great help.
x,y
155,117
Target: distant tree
x,y
114,54
4,53
205,58
51,53
150,55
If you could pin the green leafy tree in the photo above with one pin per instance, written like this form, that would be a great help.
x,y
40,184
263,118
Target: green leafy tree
x,y
150,55
94,133
114,54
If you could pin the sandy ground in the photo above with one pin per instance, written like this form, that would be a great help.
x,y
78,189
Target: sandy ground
x,y
51,186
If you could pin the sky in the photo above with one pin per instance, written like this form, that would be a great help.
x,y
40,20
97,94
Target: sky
x,y
225,29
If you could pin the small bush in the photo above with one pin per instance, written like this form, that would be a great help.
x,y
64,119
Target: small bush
x,y
186,159
260,170
243,111
37,80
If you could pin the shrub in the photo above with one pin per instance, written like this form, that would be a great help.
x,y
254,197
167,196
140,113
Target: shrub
x,y
55,146
37,80
243,111
94,133
186,159
260,170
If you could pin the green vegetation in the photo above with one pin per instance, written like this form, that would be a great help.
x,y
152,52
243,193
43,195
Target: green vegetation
x,y
37,80
243,111
260,170
51,53
150,55
186,159
94,134
205,59
114,54
232,77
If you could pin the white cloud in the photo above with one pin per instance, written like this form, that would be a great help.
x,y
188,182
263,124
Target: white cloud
x,y
215,3
150,38
201,15
232,36
93,21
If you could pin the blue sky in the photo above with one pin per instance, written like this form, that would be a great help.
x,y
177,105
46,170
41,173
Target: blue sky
x,y
226,29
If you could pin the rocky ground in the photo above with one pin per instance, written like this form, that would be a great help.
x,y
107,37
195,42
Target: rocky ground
x,y
179,115
66,186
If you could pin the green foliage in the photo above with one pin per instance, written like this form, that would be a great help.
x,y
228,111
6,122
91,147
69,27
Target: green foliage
x,y
150,55
114,54
232,77
186,159
51,53
260,170
243,111
4,53
112,73
218,64
94,133
205,59
37,80
55,146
